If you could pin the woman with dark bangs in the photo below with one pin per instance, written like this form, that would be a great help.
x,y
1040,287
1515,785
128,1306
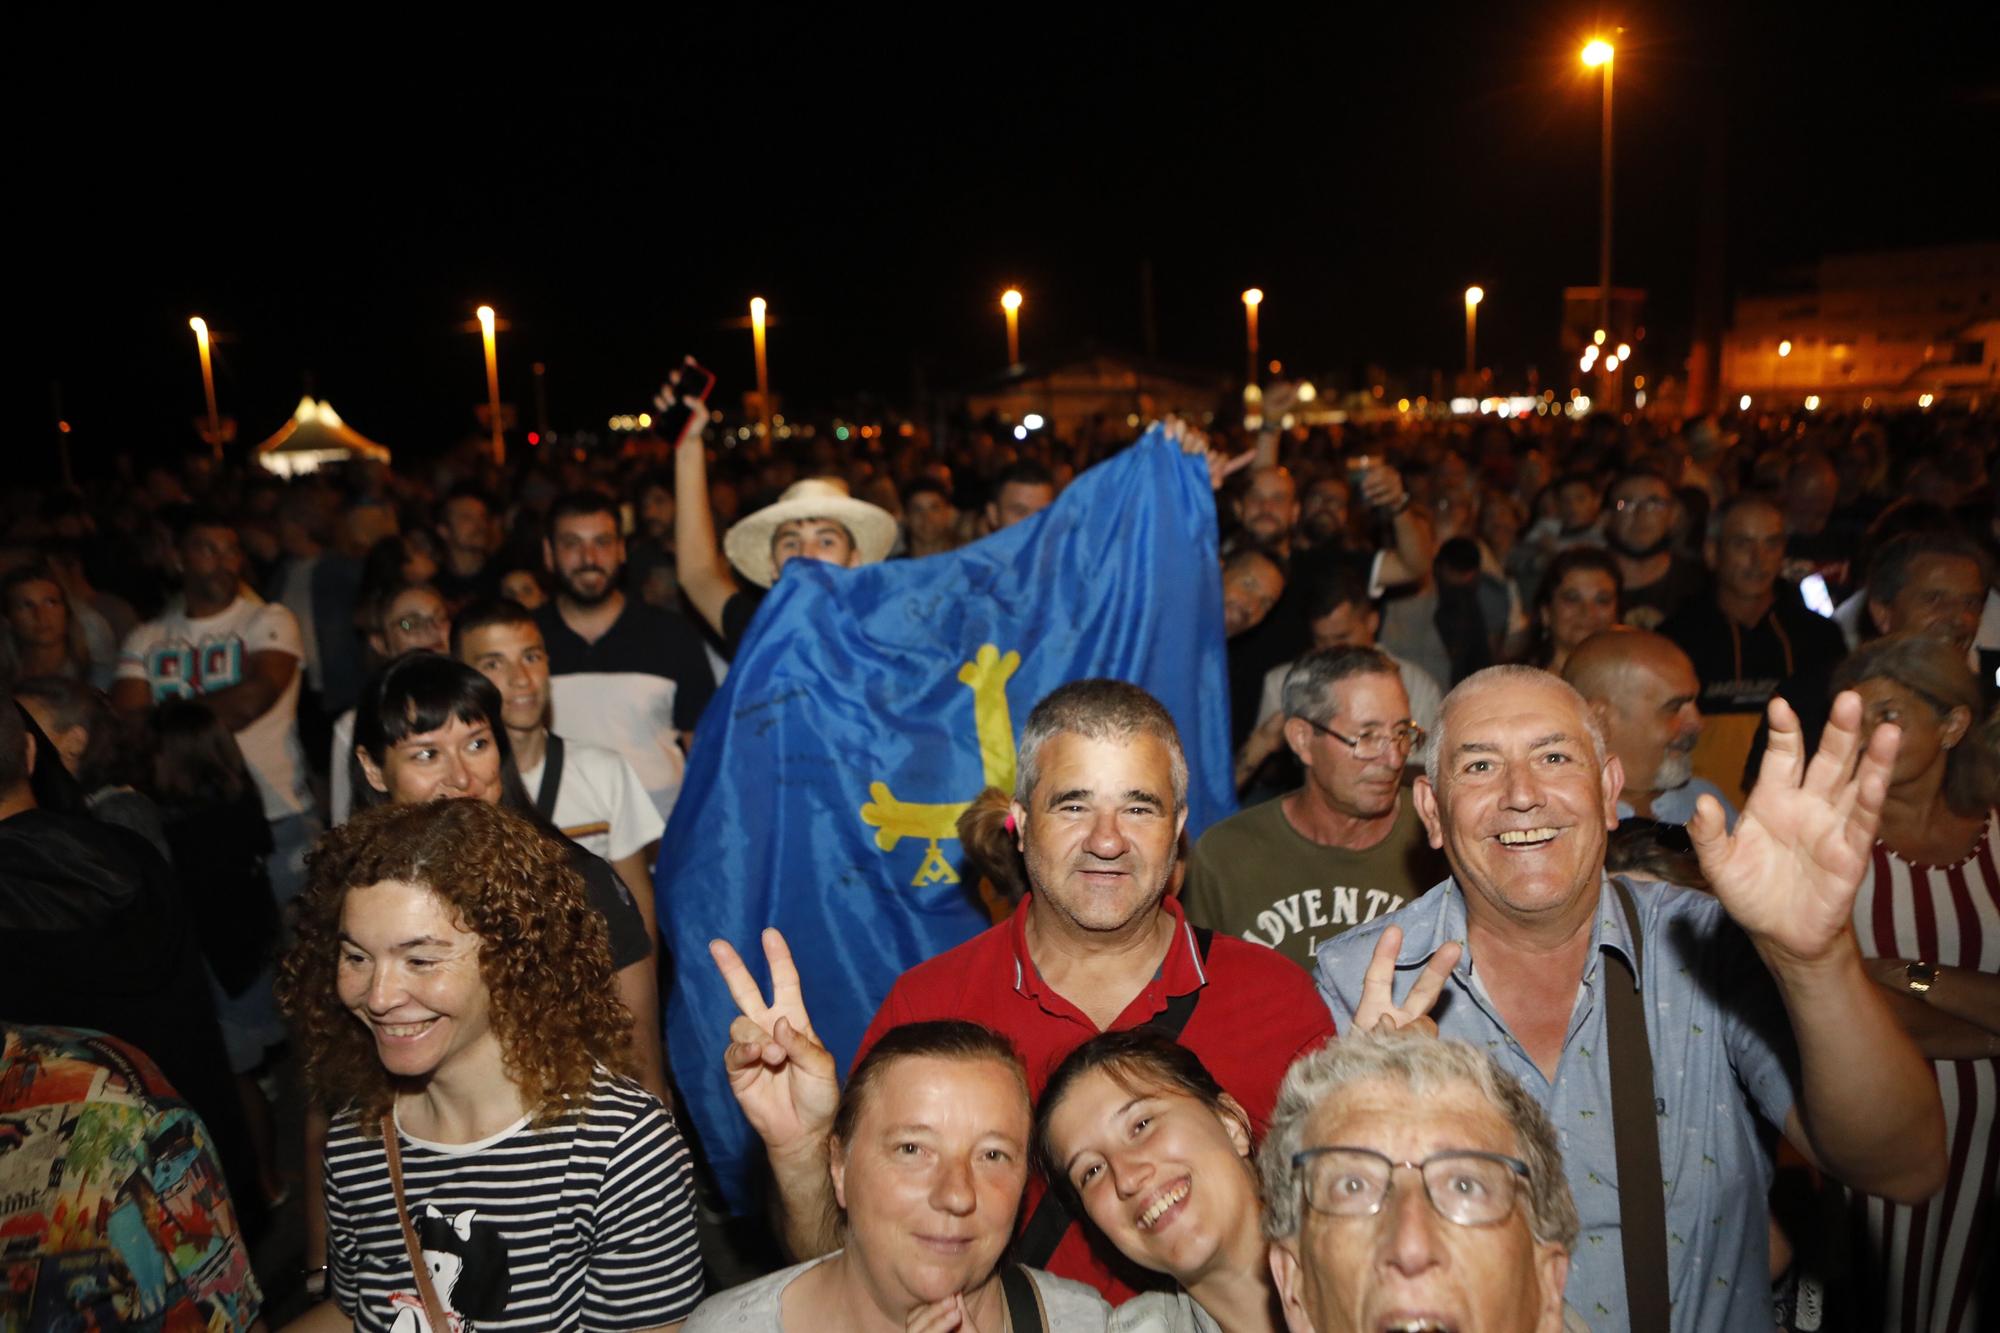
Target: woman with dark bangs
x,y
490,1162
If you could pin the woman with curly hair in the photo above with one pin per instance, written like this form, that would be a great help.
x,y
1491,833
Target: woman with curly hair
x,y
490,1164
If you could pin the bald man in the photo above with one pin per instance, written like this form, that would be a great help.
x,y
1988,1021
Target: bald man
x,y
1643,692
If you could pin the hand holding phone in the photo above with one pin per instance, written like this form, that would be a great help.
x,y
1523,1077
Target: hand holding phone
x,y
689,380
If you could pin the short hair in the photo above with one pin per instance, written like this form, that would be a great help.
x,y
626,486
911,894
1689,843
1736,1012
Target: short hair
x,y
465,490
196,760
1026,472
1459,555
1639,472
1426,1066
419,692
1139,1060
1741,501
545,952
1249,551
578,504
653,479
1308,691
1103,710
1568,562
1340,586
377,609
13,747
1498,677
924,486
486,614
937,1039
1889,569
183,519
115,754
1935,672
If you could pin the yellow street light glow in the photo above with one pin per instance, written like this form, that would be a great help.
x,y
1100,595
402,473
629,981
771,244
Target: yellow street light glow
x,y
1307,391
1624,351
1474,295
645,420
757,308
1598,337
1010,299
200,327
1254,297
1812,402
1402,404
1924,400
1610,363
1597,52
1785,347
1743,403
1584,365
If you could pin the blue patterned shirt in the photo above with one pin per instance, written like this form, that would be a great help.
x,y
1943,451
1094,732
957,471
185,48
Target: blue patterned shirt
x,y
1722,1048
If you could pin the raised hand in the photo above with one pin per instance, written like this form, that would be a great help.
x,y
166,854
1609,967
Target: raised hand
x,y
1789,873
698,414
783,1078
1378,1010
1220,467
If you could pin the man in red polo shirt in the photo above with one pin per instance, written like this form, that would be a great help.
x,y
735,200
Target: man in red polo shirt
x,y
1097,945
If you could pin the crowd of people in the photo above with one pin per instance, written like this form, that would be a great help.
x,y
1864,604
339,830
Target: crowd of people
x,y
1620,804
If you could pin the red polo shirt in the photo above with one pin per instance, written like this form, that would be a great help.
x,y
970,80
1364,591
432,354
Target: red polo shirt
x,y
1257,1011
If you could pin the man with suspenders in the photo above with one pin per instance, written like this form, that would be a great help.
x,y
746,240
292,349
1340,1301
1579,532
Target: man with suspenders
x,y
1097,944
587,791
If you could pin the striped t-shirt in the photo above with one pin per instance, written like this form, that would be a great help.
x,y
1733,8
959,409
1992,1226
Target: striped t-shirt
x,y
587,1223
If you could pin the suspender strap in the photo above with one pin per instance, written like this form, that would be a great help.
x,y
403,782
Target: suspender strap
x,y
1051,1220
1024,1302
552,764
1642,1204
432,1309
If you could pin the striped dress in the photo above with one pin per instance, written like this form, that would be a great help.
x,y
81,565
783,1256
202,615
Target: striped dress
x,y
1927,1263
587,1223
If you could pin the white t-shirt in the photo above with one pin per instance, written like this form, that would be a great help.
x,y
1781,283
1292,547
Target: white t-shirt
x,y
340,769
185,658
601,802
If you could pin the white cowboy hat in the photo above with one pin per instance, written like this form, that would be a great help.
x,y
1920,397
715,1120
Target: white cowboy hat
x,y
748,543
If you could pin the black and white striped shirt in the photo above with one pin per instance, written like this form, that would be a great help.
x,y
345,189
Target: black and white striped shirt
x,y
587,1223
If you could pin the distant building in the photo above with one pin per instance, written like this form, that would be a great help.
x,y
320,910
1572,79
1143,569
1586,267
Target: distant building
x,y
1097,388
1887,326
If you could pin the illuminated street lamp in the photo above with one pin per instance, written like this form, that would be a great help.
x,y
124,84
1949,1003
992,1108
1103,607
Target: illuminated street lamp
x,y
1473,296
1010,301
1597,54
1251,300
200,327
1784,347
485,314
757,309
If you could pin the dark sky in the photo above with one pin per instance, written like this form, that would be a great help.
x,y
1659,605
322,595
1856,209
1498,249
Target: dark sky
x,y
337,204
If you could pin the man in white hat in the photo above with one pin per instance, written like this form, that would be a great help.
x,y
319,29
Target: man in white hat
x,y
815,519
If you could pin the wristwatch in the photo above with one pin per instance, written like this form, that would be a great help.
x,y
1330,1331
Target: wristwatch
x,y
1919,977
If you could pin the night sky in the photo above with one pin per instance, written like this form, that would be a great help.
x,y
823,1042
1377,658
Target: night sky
x,y
337,205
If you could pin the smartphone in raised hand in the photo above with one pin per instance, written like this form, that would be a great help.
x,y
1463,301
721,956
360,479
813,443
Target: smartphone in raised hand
x,y
690,379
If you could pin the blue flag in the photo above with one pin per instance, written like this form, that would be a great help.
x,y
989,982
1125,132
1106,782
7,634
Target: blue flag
x,y
867,707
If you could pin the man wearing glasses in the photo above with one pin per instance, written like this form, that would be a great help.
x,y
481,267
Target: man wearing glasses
x,y
1639,516
1411,1184
1658,1026
1345,847
410,617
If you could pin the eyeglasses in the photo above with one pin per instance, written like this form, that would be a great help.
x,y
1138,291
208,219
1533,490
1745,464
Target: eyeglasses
x,y
1404,736
1651,504
417,624
1472,1189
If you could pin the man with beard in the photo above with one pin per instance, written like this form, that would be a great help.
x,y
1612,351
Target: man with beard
x,y
1639,529
626,676
1643,693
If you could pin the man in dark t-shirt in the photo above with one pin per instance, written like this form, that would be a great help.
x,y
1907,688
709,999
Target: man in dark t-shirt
x,y
623,675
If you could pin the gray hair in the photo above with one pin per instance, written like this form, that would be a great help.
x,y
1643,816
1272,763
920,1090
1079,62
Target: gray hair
x,y
1517,674
1103,710
1309,684
1425,1066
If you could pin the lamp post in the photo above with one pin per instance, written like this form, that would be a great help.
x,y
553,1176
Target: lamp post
x,y
1251,300
485,313
1473,296
1598,55
200,327
757,309
1010,301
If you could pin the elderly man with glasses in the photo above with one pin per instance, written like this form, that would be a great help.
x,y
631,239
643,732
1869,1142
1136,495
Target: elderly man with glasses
x,y
1345,847
1410,1184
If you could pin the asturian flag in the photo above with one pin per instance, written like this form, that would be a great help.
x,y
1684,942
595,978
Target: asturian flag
x,y
865,710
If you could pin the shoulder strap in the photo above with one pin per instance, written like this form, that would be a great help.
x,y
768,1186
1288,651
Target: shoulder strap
x,y
552,766
1635,1125
432,1310
1024,1302
1173,1020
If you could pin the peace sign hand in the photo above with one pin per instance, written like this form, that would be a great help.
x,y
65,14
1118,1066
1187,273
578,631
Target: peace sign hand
x,y
783,1078
1378,1011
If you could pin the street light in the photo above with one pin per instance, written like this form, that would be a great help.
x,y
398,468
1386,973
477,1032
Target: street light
x,y
485,314
200,327
1785,347
1251,300
1473,296
1010,301
1597,55
757,309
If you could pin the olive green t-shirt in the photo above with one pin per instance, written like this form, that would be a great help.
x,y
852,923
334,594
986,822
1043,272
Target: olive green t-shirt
x,y
1256,876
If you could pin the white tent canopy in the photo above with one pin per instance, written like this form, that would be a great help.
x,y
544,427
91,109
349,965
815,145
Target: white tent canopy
x,y
314,437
